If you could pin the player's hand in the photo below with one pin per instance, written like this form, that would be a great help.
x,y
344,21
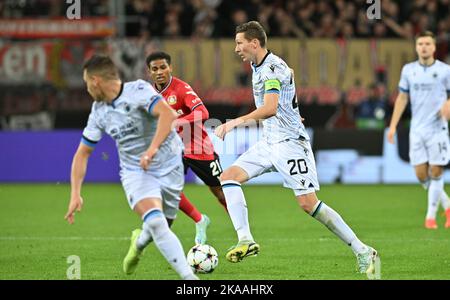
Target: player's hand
x,y
147,157
390,135
76,203
223,129
220,131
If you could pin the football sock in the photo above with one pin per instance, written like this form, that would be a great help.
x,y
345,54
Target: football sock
x,y
144,238
237,209
434,193
189,209
425,183
443,197
444,200
333,221
167,242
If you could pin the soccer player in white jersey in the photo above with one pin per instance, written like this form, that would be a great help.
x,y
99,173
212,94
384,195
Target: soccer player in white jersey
x,y
427,83
284,148
133,114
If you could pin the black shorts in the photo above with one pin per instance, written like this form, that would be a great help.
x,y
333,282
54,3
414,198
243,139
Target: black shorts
x,y
207,170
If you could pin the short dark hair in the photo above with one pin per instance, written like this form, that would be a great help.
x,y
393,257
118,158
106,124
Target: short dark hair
x,y
253,30
101,65
426,33
157,55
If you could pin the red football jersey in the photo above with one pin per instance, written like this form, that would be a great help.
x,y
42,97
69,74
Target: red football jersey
x,y
182,98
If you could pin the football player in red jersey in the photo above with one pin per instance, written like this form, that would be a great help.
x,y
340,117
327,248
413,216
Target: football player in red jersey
x,y
199,152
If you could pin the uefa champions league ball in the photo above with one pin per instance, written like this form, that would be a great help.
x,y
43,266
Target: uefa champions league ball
x,y
203,259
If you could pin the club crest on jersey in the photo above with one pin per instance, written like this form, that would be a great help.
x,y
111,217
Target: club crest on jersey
x,y
172,99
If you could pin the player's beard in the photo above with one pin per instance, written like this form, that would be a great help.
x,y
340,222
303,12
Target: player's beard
x,y
99,96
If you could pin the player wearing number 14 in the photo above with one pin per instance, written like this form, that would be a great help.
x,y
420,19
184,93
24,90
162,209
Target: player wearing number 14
x,y
284,148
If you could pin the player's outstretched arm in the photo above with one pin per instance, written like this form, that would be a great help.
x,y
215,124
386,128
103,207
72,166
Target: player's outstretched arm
x,y
79,166
166,117
267,110
399,108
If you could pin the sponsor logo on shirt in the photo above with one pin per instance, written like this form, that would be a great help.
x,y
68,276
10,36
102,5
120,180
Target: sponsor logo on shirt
x,y
172,99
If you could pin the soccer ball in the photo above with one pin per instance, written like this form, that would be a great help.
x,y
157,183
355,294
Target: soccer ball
x,y
203,258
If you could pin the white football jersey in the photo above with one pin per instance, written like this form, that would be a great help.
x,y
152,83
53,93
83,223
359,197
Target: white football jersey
x,y
128,120
286,124
428,88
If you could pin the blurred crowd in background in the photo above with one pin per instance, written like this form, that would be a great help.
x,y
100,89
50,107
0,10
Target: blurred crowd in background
x,y
285,18
211,19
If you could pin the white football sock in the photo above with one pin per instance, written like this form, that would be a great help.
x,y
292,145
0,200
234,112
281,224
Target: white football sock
x,y
144,238
333,221
167,242
425,184
444,200
237,209
434,193
443,197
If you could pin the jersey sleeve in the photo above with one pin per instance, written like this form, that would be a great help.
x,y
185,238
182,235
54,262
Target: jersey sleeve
x,y
146,96
403,85
93,131
190,97
272,79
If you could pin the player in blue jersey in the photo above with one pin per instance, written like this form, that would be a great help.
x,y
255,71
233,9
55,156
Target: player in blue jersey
x,y
426,82
284,148
133,114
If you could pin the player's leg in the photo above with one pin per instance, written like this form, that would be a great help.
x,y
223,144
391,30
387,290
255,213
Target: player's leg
x,y
238,212
434,193
423,175
189,209
252,163
438,148
294,160
186,206
146,189
220,196
209,172
436,190
366,256
202,221
144,237
156,226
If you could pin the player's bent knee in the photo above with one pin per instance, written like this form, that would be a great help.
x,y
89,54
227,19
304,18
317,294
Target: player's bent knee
x,y
234,173
307,202
422,172
436,171
422,176
229,174
147,204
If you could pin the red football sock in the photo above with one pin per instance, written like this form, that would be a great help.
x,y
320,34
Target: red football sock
x,y
189,209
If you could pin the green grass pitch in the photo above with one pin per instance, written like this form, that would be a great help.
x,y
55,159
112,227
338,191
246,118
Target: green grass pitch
x,y
35,240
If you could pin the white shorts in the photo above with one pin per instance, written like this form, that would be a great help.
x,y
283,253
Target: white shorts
x,y
139,185
293,159
431,148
